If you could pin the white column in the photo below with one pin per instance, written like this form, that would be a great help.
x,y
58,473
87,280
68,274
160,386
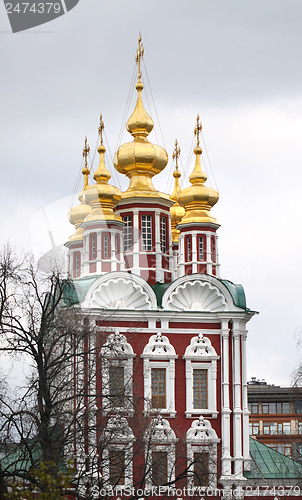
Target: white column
x,y
181,266
225,407
245,430
237,411
209,254
217,257
194,253
136,240
159,269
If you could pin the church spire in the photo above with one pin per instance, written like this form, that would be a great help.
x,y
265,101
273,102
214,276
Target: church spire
x,y
198,199
102,197
78,213
177,212
140,160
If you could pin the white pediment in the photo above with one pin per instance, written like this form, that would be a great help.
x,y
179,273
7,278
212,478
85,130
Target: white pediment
x,y
195,295
120,290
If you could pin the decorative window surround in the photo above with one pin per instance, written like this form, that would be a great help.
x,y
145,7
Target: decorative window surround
x,y
160,437
117,352
159,353
201,438
201,355
118,436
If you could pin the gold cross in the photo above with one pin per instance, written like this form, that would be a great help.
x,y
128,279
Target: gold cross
x,y
197,129
176,154
139,55
86,151
101,128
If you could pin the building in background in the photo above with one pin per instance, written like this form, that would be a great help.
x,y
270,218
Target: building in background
x,y
276,417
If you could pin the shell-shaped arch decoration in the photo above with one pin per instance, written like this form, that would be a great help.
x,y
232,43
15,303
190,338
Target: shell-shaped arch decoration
x,y
121,291
196,296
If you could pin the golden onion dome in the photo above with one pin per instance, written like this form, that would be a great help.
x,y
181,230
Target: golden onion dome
x,y
140,160
102,197
198,199
177,211
78,213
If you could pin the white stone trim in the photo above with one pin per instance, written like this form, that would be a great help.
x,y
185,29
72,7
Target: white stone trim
x,y
118,436
160,437
201,437
116,351
200,354
159,353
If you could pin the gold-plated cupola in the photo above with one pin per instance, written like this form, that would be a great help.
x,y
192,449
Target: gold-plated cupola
x,y
140,160
177,211
78,213
102,197
198,199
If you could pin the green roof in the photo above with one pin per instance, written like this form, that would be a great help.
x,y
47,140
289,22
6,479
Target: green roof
x,y
76,291
237,292
270,464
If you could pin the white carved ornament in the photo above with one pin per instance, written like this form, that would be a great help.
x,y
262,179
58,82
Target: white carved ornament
x,y
160,432
201,432
116,345
200,347
120,293
196,296
159,347
118,431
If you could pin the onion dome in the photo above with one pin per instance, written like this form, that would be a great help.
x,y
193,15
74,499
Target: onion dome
x,y
198,199
140,160
177,212
102,197
78,213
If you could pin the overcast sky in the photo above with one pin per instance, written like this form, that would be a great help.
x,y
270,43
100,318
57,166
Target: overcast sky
x,y
236,63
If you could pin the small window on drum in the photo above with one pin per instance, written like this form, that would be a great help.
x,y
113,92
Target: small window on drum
x,y
146,221
127,233
163,234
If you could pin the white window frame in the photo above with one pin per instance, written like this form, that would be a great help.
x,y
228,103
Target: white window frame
x,y
160,437
116,351
159,353
119,441
202,438
201,355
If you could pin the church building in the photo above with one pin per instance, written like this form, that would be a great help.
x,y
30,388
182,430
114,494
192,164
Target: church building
x,y
170,385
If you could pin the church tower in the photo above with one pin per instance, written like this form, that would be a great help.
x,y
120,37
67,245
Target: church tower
x,y
146,279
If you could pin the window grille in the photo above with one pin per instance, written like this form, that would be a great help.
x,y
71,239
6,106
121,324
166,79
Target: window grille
x,y
146,233
106,246
127,233
163,234
158,387
159,467
189,254
116,385
200,389
201,469
116,467
201,247
93,246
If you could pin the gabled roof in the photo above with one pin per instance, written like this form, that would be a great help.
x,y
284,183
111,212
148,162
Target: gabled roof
x,y
270,464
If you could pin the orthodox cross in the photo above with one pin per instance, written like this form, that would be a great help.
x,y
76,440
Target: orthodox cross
x,y
86,170
101,128
139,54
176,154
197,129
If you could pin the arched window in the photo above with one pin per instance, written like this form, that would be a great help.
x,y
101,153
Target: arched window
x,y
117,445
159,453
201,377
159,375
202,443
117,373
